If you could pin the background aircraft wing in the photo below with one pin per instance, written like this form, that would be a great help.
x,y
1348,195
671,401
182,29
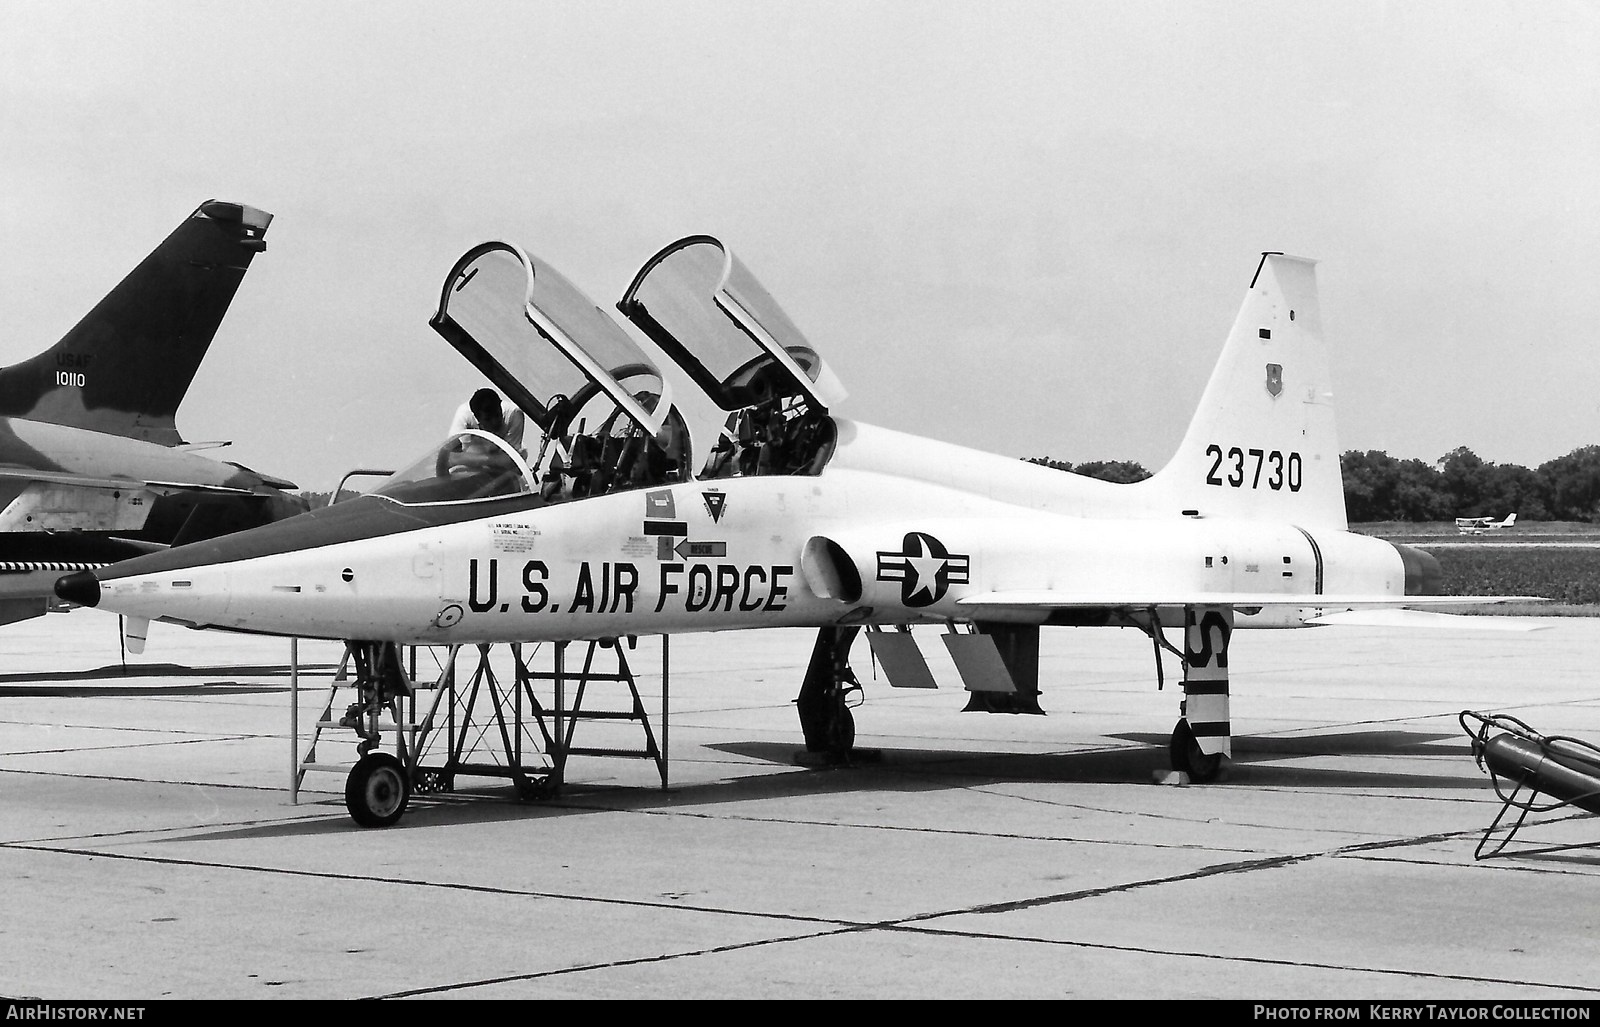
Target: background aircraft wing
x,y
87,481
185,486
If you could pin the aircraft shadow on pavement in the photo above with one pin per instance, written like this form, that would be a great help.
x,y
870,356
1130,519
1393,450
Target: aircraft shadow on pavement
x,y
491,800
1272,760
1257,761
17,684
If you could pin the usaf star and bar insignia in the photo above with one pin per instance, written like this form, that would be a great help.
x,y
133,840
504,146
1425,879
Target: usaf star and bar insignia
x,y
924,568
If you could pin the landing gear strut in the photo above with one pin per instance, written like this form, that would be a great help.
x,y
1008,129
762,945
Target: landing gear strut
x,y
823,704
1204,735
379,785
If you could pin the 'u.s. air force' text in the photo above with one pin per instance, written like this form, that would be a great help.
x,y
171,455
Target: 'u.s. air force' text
x,y
612,587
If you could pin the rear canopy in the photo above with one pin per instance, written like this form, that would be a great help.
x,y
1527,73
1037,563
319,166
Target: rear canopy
x,y
697,302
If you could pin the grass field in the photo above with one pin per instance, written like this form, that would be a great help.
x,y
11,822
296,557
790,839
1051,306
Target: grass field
x,y
1512,563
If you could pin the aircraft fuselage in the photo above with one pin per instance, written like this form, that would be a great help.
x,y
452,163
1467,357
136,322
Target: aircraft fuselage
x,y
732,553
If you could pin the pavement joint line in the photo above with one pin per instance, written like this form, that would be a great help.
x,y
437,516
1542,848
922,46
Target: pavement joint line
x,y
138,780
112,748
838,924
919,923
913,926
1006,835
1259,960
1215,870
894,926
200,736
665,957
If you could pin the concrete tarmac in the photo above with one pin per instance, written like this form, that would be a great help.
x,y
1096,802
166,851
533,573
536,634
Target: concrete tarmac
x,y
149,848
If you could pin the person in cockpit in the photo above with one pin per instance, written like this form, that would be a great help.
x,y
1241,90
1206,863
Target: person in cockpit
x,y
486,411
476,464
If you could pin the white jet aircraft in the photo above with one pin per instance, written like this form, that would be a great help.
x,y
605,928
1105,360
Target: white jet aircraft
x,y
1483,525
627,523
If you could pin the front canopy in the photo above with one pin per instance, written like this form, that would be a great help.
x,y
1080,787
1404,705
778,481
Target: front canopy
x,y
468,466
543,342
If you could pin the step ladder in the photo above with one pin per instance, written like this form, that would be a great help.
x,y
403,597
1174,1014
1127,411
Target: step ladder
x,y
565,719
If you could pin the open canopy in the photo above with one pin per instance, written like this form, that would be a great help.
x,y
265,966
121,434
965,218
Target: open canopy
x,y
543,342
704,309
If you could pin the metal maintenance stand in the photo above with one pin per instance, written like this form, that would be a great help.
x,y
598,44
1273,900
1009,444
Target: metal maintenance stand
x,y
495,711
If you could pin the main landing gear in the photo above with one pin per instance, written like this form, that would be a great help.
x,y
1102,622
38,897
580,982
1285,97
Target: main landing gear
x,y
1203,735
824,700
1186,756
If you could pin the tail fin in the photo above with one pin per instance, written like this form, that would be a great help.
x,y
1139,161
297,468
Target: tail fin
x,y
125,367
1262,444
1509,521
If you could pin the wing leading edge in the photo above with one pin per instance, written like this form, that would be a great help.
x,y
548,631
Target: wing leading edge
x,y
1045,600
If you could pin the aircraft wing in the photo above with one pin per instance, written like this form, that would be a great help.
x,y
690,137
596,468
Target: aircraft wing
x,y
1046,599
1423,619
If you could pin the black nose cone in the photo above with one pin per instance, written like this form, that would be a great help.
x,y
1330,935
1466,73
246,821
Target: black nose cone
x,y
82,588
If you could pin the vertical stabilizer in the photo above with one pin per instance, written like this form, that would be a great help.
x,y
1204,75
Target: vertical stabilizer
x,y
125,367
1262,444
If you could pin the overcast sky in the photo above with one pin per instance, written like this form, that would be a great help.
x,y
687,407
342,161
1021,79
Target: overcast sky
x,y
1022,226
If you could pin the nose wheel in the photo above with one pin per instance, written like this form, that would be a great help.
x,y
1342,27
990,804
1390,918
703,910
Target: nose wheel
x,y
377,790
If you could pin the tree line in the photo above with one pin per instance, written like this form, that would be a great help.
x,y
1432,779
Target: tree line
x,y
1379,487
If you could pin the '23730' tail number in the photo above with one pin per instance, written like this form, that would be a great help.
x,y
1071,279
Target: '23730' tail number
x,y
1254,468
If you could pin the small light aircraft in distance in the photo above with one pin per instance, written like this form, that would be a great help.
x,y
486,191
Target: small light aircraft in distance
x,y
92,467
771,510
1483,525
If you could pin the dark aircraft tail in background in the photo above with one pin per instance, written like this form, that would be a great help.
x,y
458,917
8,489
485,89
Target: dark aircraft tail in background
x,y
125,367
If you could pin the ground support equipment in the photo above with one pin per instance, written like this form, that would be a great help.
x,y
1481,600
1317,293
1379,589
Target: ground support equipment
x,y
497,711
